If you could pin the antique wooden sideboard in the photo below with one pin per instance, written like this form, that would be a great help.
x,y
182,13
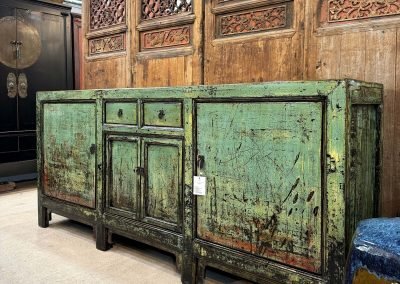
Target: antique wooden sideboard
x,y
290,168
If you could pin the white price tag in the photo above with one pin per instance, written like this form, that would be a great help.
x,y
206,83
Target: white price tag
x,y
199,185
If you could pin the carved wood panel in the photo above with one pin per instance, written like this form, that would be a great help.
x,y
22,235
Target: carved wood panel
x,y
348,10
106,13
161,8
252,21
107,44
172,37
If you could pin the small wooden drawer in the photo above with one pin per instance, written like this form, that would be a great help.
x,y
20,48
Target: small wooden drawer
x,y
121,113
163,114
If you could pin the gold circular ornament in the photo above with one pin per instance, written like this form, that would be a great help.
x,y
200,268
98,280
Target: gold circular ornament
x,y
20,44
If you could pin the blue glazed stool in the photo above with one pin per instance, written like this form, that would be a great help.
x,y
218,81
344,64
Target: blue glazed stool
x,y
375,250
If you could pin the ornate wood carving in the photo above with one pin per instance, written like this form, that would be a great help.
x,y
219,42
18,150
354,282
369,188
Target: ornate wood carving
x,y
345,10
253,21
160,8
179,36
106,13
107,44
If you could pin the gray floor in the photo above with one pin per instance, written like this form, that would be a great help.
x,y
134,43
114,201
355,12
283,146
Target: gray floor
x,y
65,252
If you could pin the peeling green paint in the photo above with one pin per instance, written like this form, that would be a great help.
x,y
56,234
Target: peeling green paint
x,y
288,164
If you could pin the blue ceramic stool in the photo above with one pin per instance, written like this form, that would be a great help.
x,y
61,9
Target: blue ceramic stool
x,y
376,248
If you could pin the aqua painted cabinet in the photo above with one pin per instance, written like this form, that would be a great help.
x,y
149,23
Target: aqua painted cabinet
x,y
290,169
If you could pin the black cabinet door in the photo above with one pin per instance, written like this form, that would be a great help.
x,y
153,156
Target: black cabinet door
x,y
37,52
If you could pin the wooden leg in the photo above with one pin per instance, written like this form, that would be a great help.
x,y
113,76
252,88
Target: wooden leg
x,y
49,212
200,272
102,237
43,216
186,265
178,262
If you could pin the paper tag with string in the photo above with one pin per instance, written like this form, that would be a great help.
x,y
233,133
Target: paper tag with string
x,y
199,185
200,181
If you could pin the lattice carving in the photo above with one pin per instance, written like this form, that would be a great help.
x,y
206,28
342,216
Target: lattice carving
x,y
253,21
161,8
166,38
107,44
106,13
344,10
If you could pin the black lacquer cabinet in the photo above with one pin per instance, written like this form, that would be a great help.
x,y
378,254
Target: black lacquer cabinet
x,y
35,55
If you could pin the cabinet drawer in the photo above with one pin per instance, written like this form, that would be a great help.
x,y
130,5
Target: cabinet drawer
x,y
164,114
121,113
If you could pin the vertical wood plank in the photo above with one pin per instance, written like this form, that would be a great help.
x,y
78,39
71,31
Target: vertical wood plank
x,y
352,56
381,67
328,59
395,191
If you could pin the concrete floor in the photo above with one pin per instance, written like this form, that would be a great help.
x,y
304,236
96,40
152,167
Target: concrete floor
x,y
65,252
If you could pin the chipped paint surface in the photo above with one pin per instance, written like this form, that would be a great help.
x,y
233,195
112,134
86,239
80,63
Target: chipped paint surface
x,y
279,157
263,165
163,182
123,189
69,152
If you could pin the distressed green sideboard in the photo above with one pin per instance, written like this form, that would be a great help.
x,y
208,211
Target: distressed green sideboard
x,y
291,168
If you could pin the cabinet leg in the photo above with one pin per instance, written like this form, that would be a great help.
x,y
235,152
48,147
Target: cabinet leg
x,y
186,265
178,262
43,217
102,237
200,272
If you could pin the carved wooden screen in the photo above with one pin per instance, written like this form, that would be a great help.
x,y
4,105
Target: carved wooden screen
x,y
347,10
106,18
167,40
252,40
106,43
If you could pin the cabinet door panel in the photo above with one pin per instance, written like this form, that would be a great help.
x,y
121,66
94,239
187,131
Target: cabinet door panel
x,y
123,184
162,196
263,167
69,147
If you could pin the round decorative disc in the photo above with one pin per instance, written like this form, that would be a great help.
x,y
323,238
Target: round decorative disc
x,y
27,38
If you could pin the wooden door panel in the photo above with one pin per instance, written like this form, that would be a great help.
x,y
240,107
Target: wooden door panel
x,y
253,41
69,152
163,184
167,43
263,167
124,181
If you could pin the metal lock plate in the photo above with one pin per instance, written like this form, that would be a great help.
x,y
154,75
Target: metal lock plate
x,y
22,85
12,85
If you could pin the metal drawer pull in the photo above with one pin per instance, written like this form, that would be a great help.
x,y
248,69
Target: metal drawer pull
x,y
161,114
92,149
200,162
120,112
